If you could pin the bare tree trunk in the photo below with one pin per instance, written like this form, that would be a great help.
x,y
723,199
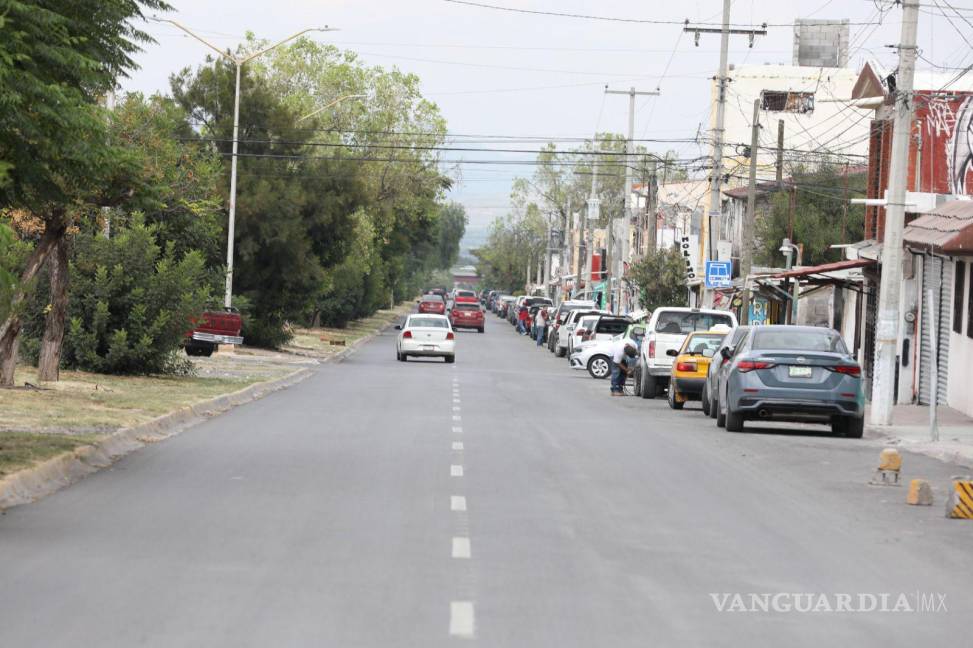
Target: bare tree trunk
x,y
10,329
50,358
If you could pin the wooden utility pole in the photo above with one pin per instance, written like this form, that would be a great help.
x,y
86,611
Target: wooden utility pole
x,y
746,235
652,208
712,220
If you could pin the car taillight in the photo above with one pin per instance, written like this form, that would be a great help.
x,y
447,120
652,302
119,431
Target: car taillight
x,y
685,366
848,370
407,334
450,336
651,348
749,365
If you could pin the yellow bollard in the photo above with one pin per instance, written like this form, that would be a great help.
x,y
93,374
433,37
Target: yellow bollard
x,y
920,493
889,465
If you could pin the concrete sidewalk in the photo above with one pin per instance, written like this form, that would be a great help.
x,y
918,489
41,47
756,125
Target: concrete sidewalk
x,y
910,431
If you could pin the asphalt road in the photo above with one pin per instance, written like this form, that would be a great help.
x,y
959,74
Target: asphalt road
x,y
504,500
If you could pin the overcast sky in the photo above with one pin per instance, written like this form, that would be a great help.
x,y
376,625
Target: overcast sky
x,y
501,73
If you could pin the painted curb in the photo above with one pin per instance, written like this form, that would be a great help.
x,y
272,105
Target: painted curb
x,y
31,484
946,451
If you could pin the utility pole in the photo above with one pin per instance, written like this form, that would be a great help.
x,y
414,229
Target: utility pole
x,y
623,251
548,251
887,327
712,220
780,153
652,208
746,235
594,207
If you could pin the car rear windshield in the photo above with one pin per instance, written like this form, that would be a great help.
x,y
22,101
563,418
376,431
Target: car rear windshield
x,y
613,326
427,322
678,322
470,307
531,301
432,298
797,340
699,343
465,293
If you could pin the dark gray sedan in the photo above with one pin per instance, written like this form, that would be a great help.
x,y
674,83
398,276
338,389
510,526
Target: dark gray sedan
x,y
793,373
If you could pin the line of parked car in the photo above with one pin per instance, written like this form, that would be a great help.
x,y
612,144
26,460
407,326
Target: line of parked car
x,y
739,373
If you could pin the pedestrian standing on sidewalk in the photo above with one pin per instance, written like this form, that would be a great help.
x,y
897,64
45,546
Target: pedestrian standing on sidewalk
x,y
522,317
623,356
540,323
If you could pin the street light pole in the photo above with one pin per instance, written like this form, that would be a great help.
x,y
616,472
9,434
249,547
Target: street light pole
x,y
238,62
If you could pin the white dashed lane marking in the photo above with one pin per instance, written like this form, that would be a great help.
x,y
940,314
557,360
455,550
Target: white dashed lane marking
x,y
457,429
461,622
461,547
457,503
455,471
457,417
457,445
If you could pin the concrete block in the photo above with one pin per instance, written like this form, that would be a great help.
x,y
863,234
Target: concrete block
x,y
890,459
920,493
959,505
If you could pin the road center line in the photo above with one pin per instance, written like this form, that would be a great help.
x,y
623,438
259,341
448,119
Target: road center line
x,y
457,408
461,621
461,547
457,417
457,503
455,471
457,429
457,445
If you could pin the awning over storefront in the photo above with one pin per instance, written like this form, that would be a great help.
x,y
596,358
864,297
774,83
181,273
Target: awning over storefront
x,y
948,229
824,268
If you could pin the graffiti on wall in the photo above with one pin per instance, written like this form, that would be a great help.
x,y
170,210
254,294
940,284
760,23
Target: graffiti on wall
x,y
960,154
944,160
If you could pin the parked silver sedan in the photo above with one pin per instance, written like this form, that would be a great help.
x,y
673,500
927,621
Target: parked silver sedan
x,y
793,373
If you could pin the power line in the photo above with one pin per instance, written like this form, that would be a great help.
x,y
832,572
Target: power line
x,y
640,21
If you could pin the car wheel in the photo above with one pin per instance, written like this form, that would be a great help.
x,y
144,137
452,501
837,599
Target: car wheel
x,y
480,329
673,403
450,359
705,400
599,367
734,421
649,386
720,416
403,357
559,352
848,426
714,406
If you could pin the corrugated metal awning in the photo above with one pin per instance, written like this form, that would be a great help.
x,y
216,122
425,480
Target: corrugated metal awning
x,y
946,229
825,268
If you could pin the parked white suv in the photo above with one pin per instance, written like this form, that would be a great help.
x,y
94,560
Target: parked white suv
x,y
566,333
556,343
665,330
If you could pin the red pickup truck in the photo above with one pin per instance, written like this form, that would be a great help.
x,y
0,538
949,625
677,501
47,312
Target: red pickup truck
x,y
213,328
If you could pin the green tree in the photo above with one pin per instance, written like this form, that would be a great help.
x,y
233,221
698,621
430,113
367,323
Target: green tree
x,y
821,217
660,277
57,60
133,300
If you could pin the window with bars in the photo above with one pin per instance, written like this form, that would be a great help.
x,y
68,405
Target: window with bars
x,y
785,101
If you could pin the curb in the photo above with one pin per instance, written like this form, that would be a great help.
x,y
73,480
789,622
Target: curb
x,y
31,484
946,451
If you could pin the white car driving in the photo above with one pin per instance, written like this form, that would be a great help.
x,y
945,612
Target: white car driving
x,y
425,335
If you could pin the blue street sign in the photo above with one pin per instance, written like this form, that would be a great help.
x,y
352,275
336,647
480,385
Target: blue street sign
x,y
718,274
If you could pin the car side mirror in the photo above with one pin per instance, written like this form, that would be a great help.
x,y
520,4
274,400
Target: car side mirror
x,y
726,352
672,352
418,300
398,327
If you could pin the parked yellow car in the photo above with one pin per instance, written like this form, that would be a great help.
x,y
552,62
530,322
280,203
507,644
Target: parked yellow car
x,y
690,366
